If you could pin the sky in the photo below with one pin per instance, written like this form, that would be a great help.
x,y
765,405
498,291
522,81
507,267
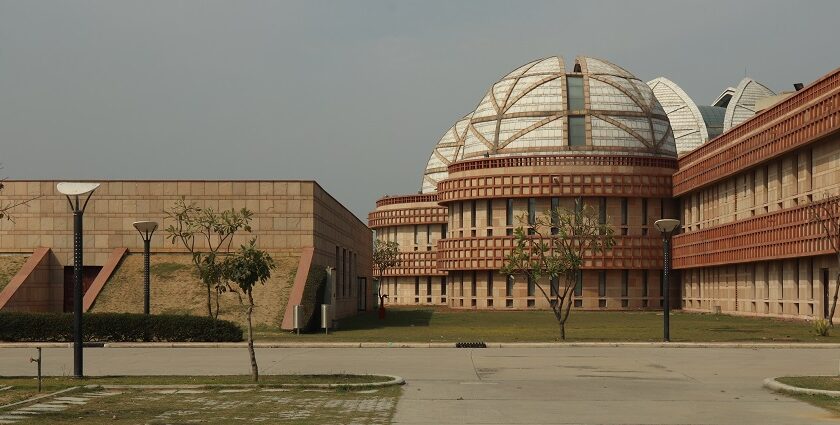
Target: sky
x,y
352,94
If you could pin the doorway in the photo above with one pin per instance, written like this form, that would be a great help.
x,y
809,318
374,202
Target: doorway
x,y
89,274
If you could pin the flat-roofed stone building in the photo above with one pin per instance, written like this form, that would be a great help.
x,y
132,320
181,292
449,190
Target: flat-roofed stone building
x,y
297,221
748,245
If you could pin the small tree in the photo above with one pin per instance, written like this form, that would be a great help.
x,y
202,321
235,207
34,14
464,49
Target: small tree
x,y
827,214
553,246
206,234
247,267
386,254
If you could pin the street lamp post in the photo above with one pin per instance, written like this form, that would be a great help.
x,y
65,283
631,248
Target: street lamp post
x,y
146,229
74,192
667,226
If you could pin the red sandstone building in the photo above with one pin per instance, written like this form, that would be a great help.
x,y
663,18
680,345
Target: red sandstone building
x,y
546,135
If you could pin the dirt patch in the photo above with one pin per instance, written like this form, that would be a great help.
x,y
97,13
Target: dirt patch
x,y
9,266
175,289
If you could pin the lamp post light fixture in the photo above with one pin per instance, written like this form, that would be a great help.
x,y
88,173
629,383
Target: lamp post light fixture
x,y
146,229
74,193
667,226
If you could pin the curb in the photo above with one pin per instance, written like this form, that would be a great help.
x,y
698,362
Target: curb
x,y
773,384
395,380
261,345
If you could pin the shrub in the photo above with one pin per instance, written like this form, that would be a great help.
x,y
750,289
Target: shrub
x,y
821,327
116,327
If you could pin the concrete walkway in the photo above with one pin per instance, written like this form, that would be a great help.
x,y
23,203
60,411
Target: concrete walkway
x,y
570,385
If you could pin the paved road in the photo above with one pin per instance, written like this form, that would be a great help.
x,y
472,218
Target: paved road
x,y
582,385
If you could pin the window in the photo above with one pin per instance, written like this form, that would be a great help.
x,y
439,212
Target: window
x,y
509,287
579,284
417,285
490,283
554,283
532,215
415,234
602,283
624,282
489,213
661,208
531,286
575,92
472,214
578,205
429,285
644,283
337,280
428,234
555,218
623,216
461,285
443,285
602,211
577,131
644,217
443,229
509,217
473,284
461,215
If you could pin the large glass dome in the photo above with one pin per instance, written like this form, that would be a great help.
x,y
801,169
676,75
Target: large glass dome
x,y
541,109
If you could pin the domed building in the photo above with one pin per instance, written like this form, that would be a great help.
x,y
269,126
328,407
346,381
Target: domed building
x,y
691,123
542,137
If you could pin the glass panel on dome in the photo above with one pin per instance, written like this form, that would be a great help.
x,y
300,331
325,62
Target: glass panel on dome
x,y
575,91
577,131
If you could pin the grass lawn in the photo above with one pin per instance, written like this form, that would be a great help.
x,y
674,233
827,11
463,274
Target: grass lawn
x,y
446,325
27,387
9,266
832,383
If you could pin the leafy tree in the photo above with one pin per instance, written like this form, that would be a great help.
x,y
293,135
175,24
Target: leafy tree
x,y
827,214
386,254
206,234
247,267
554,246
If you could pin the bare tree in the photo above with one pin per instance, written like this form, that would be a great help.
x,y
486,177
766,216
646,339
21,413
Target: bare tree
x,y
6,207
827,213
206,234
553,245
386,254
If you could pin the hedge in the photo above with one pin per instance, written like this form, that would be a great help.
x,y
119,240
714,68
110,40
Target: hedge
x,y
116,327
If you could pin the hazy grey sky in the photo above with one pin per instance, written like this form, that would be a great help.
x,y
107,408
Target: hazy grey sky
x,y
353,94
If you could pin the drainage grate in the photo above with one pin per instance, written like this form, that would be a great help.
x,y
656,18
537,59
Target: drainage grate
x,y
478,344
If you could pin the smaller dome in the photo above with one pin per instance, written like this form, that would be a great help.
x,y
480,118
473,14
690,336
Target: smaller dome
x,y
742,105
692,124
446,152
